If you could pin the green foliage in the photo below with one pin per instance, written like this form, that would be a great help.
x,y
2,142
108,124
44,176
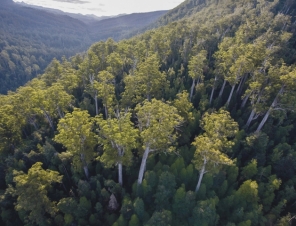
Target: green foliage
x,y
162,218
134,221
139,208
240,53
205,212
31,191
250,170
165,190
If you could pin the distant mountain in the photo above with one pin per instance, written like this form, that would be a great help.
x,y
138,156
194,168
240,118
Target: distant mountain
x,y
84,18
120,27
31,37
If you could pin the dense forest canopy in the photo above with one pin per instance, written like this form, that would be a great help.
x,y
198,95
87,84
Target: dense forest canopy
x,y
30,38
191,123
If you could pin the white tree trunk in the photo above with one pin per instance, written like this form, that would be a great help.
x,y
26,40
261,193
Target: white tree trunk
x,y
201,174
222,88
274,103
143,165
242,82
263,120
192,89
96,104
106,111
213,89
245,100
230,95
60,112
120,173
250,119
85,168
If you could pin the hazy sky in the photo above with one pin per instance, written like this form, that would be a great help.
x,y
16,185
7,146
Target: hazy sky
x,y
105,7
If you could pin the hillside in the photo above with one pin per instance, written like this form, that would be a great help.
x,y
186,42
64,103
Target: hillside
x,y
192,123
30,38
120,27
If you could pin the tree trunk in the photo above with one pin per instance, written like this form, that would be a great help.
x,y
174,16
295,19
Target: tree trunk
x,y
242,82
60,112
143,165
222,88
213,89
48,119
264,120
250,119
192,89
245,100
201,173
96,104
106,111
274,103
120,173
85,168
230,95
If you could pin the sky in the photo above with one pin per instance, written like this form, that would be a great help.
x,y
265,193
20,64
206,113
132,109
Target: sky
x,y
106,7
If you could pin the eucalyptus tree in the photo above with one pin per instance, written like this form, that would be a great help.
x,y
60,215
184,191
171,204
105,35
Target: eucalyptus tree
x,y
118,137
58,99
11,123
195,69
157,122
218,127
75,132
36,103
146,83
105,89
284,91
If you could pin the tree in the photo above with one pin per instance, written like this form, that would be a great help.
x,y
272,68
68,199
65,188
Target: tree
x,y
218,126
106,89
119,138
195,69
11,123
285,96
32,189
146,83
76,134
157,122
161,218
58,99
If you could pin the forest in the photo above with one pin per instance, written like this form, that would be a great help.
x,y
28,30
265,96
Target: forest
x,y
30,38
190,123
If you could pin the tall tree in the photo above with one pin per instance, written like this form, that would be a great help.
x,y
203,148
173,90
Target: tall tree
x,y
106,89
75,132
218,126
119,137
195,69
146,83
284,95
157,122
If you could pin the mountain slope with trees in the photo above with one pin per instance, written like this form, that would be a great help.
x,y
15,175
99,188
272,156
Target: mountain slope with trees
x,y
192,123
30,38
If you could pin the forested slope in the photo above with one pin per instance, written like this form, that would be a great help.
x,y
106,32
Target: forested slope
x,y
192,123
30,38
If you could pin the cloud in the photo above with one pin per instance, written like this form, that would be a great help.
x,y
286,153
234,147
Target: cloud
x,y
73,1
97,10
